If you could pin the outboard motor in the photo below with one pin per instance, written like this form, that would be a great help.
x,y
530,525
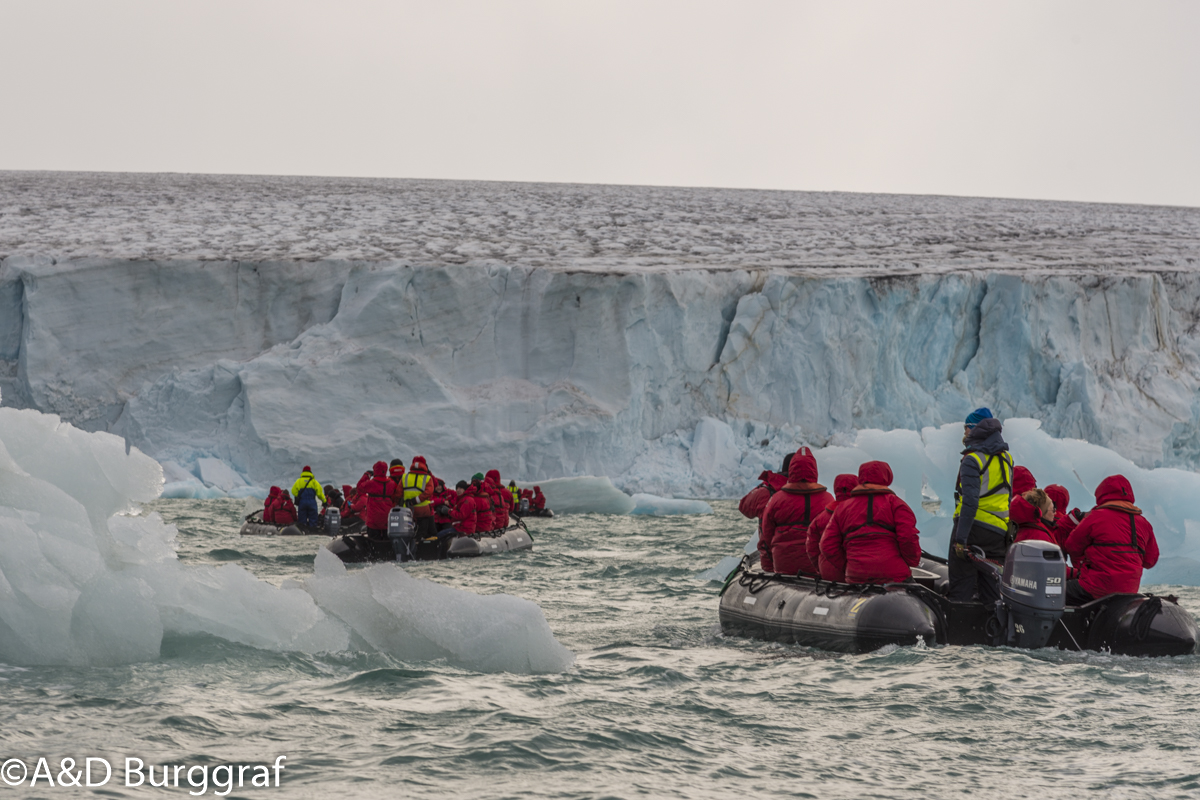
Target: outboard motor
x,y
402,532
333,520
1033,592
524,507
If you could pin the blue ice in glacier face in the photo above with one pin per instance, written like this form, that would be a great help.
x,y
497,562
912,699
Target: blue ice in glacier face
x,y
660,379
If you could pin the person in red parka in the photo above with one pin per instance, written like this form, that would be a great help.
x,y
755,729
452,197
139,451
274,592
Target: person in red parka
x,y
442,501
872,536
465,511
268,513
787,516
505,495
375,500
495,494
1060,497
486,504
396,476
1022,481
285,509
1064,523
539,500
755,501
486,511
842,485
1033,515
1111,546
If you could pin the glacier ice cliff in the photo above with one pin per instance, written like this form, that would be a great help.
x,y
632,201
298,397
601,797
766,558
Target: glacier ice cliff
x,y
674,340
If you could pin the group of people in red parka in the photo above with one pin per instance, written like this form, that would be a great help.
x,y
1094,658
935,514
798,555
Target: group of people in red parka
x,y
1109,546
864,533
279,508
477,506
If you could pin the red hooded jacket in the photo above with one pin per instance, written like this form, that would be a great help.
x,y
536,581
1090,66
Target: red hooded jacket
x,y
1063,524
539,499
395,476
1031,525
872,536
1022,481
269,505
505,493
1028,519
443,495
498,513
842,485
374,499
1061,498
1114,543
755,501
285,509
465,512
787,516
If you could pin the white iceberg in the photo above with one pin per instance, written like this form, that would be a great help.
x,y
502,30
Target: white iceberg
x,y
85,580
665,506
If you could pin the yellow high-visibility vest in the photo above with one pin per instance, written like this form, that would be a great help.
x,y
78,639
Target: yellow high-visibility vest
x,y
995,489
414,483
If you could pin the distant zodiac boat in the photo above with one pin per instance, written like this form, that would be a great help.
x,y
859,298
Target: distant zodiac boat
x,y
403,543
1032,613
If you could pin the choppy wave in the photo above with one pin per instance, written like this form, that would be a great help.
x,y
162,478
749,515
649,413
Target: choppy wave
x,y
659,702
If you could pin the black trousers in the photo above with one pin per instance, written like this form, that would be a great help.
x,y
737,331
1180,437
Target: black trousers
x,y
1076,596
967,582
426,527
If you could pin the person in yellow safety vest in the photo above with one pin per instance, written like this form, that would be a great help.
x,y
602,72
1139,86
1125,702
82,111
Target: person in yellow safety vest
x,y
515,492
982,494
307,490
418,486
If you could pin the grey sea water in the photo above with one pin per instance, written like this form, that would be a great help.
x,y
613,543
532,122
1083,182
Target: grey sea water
x,y
658,704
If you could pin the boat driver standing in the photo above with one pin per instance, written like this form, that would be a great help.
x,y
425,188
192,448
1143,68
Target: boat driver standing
x,y
982,495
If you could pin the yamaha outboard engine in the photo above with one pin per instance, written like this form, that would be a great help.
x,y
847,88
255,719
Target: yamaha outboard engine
x,y
333,520
524,507
1032,589
402,532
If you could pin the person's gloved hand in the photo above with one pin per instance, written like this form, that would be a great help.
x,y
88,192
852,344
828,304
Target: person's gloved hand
x,y
1076,515
960,550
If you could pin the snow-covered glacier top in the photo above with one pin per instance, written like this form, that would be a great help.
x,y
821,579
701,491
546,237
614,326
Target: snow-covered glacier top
x,y
674,340
174,217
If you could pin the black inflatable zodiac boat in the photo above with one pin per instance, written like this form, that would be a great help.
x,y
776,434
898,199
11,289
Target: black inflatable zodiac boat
x,y
1031,614
404,544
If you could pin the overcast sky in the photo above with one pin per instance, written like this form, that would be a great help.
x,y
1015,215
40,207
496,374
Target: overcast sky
x,y
1056,99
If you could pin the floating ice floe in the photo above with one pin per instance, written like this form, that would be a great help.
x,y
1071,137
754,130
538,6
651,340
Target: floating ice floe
x,y
597,495
82,583
212,478
665,506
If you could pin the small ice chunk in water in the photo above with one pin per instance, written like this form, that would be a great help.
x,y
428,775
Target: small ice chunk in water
x,y
585,495
665,506
419,620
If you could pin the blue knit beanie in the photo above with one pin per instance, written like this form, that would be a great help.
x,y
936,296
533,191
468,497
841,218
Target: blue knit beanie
x,y
978,415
